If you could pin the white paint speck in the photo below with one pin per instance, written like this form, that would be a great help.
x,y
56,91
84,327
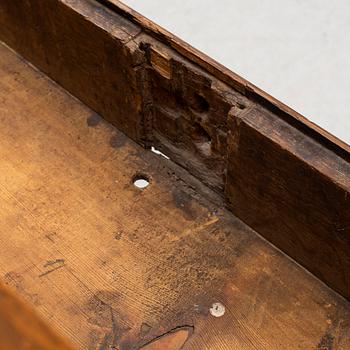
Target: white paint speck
x,y
156,151
141,183
217,310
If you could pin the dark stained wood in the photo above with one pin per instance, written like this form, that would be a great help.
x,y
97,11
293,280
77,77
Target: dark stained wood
x,y
230,78
84,47
21,329
113,266
189,113
293,191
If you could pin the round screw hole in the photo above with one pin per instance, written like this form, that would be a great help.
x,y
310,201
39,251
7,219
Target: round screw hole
x,y
217,310
140,181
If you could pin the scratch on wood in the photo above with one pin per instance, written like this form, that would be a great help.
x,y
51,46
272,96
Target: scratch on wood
x,y
174,339
51,236
51,263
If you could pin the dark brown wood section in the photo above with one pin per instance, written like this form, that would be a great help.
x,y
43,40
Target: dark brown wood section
x,y
230,78
86,48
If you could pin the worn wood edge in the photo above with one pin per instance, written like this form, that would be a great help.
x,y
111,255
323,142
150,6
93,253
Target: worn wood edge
x,y
21,328
232,79
296,195
294,119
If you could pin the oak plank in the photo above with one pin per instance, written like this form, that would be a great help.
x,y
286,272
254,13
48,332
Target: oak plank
x,y
161,92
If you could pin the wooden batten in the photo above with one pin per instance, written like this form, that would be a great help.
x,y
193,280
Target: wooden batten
x,y
230,78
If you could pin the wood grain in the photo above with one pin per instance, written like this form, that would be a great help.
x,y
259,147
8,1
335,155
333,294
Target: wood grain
x,y
112,266
292,191
84,47
162,93
230,78
21,329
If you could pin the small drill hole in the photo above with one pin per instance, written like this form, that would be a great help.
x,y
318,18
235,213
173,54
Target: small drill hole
x,y
140,181
143,46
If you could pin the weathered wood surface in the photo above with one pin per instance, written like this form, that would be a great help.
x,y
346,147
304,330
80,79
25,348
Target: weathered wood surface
x,y
86,48
293,192
148,91
21,329
226,75
113,266
161,92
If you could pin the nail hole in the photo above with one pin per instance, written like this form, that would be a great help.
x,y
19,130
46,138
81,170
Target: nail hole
x,y
156,151
200,104
140,181
217,310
